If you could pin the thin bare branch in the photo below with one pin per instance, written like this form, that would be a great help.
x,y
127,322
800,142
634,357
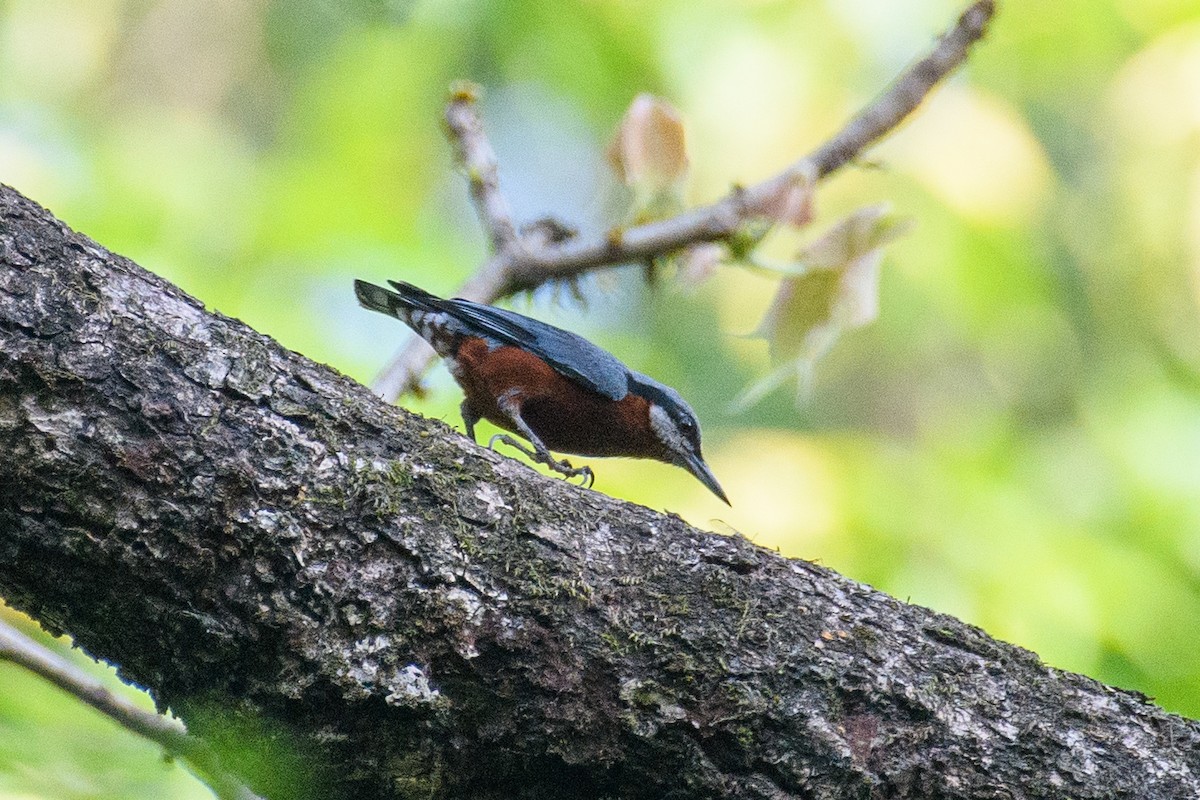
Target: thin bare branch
x,y
19,649
478,160
528,267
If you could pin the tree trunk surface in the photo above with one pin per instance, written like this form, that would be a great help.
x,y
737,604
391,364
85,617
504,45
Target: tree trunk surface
x,y
355,602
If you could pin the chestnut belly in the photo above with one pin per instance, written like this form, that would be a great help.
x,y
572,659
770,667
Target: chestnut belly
x,y
567,416
589,426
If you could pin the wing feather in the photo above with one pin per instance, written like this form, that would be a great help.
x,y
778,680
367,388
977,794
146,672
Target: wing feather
x,y
570,354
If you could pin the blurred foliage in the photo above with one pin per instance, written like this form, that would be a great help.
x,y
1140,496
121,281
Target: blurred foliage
x,y
1015,441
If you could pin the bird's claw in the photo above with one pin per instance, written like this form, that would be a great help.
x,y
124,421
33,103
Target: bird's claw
x,y
568,472
563,467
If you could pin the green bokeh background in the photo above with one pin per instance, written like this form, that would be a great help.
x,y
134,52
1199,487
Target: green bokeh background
x,y
1016,441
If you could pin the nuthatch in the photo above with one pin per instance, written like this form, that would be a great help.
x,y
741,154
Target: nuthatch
x,y
556,389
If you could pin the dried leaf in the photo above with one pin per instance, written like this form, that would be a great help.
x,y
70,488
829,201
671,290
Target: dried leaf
x,y
858,291
649,151
792,204
699,263
801,305
866,229
837,290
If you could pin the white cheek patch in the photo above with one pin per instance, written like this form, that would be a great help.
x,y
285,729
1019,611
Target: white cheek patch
x,y
666,430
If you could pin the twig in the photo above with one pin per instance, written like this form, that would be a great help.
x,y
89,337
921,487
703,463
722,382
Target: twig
x,y
513,269
478,159
171,734
723,218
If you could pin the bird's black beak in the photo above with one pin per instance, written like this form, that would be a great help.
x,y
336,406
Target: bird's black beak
x,y
694,464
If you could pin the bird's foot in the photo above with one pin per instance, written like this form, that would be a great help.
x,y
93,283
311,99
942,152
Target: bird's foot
x,y
562,467
511,442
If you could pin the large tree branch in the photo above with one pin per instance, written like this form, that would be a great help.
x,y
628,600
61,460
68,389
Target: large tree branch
x,y
520,263
395,612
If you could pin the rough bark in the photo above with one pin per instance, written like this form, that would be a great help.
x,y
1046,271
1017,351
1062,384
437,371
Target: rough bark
x,y
386,610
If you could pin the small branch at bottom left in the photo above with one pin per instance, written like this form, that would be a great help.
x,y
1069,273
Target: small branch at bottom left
x,y
197,756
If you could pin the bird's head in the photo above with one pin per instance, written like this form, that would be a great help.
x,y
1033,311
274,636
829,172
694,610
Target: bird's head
x,y
677,430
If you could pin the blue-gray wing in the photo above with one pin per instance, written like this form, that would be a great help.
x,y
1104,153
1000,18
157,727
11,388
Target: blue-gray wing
x,y
572,355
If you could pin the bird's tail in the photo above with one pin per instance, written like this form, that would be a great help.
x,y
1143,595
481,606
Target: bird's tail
x,y
399,304
418,309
